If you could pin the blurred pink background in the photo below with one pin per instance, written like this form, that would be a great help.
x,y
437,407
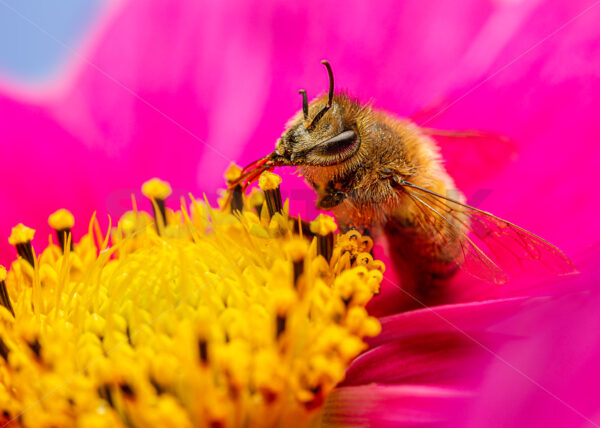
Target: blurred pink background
x,y
180,89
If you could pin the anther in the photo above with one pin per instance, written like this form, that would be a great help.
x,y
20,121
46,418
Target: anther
x,y
62,221
4,298
323,227
21,237
157,191
269,183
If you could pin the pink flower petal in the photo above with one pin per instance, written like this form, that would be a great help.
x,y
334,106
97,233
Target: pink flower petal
x,y
549,380
450,358
390,405
468,317
448,344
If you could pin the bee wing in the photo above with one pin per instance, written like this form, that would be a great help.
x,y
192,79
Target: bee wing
x,y
486,153
490,245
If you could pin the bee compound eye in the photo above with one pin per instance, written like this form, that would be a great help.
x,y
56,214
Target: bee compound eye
x,y
336,149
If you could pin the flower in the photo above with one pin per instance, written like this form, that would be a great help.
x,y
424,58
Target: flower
x,y
198,317
227,73
225,317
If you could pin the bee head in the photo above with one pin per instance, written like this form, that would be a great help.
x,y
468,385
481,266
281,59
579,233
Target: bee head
x,y
322,135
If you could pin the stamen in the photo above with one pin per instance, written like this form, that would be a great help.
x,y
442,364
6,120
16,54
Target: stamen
x,y
62,221
296,250
4,297
285,300
157,191
105,392
256,199
237,196
324,226
269,183
21,237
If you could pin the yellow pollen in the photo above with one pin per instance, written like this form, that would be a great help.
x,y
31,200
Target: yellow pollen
x,y
296,248
156,189
21,234
323,225
233,172
219,320
256,198
61,219
128,222
269,181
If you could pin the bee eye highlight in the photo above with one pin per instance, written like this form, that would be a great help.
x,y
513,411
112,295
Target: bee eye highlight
x,y
334,150
338,143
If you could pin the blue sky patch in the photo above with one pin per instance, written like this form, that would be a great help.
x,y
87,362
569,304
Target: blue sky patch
x,y
30,55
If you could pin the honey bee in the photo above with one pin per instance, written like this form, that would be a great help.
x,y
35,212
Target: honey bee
x,y
384,175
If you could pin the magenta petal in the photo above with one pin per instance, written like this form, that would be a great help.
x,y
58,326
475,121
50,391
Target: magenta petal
x,y
390,405
468,317
450,358
551,379
444,344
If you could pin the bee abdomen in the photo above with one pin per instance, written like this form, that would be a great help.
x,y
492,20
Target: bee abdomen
x,y
424,265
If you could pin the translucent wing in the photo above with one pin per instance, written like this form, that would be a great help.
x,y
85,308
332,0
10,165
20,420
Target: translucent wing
x,y
486,153
490,246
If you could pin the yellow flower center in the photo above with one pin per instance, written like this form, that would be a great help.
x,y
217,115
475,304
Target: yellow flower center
x,y
212,319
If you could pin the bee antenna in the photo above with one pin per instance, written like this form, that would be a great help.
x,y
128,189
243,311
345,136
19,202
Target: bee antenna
x,y
329,100
304,103
330,73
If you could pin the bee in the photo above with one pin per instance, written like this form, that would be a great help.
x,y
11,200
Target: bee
x,y
384,176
